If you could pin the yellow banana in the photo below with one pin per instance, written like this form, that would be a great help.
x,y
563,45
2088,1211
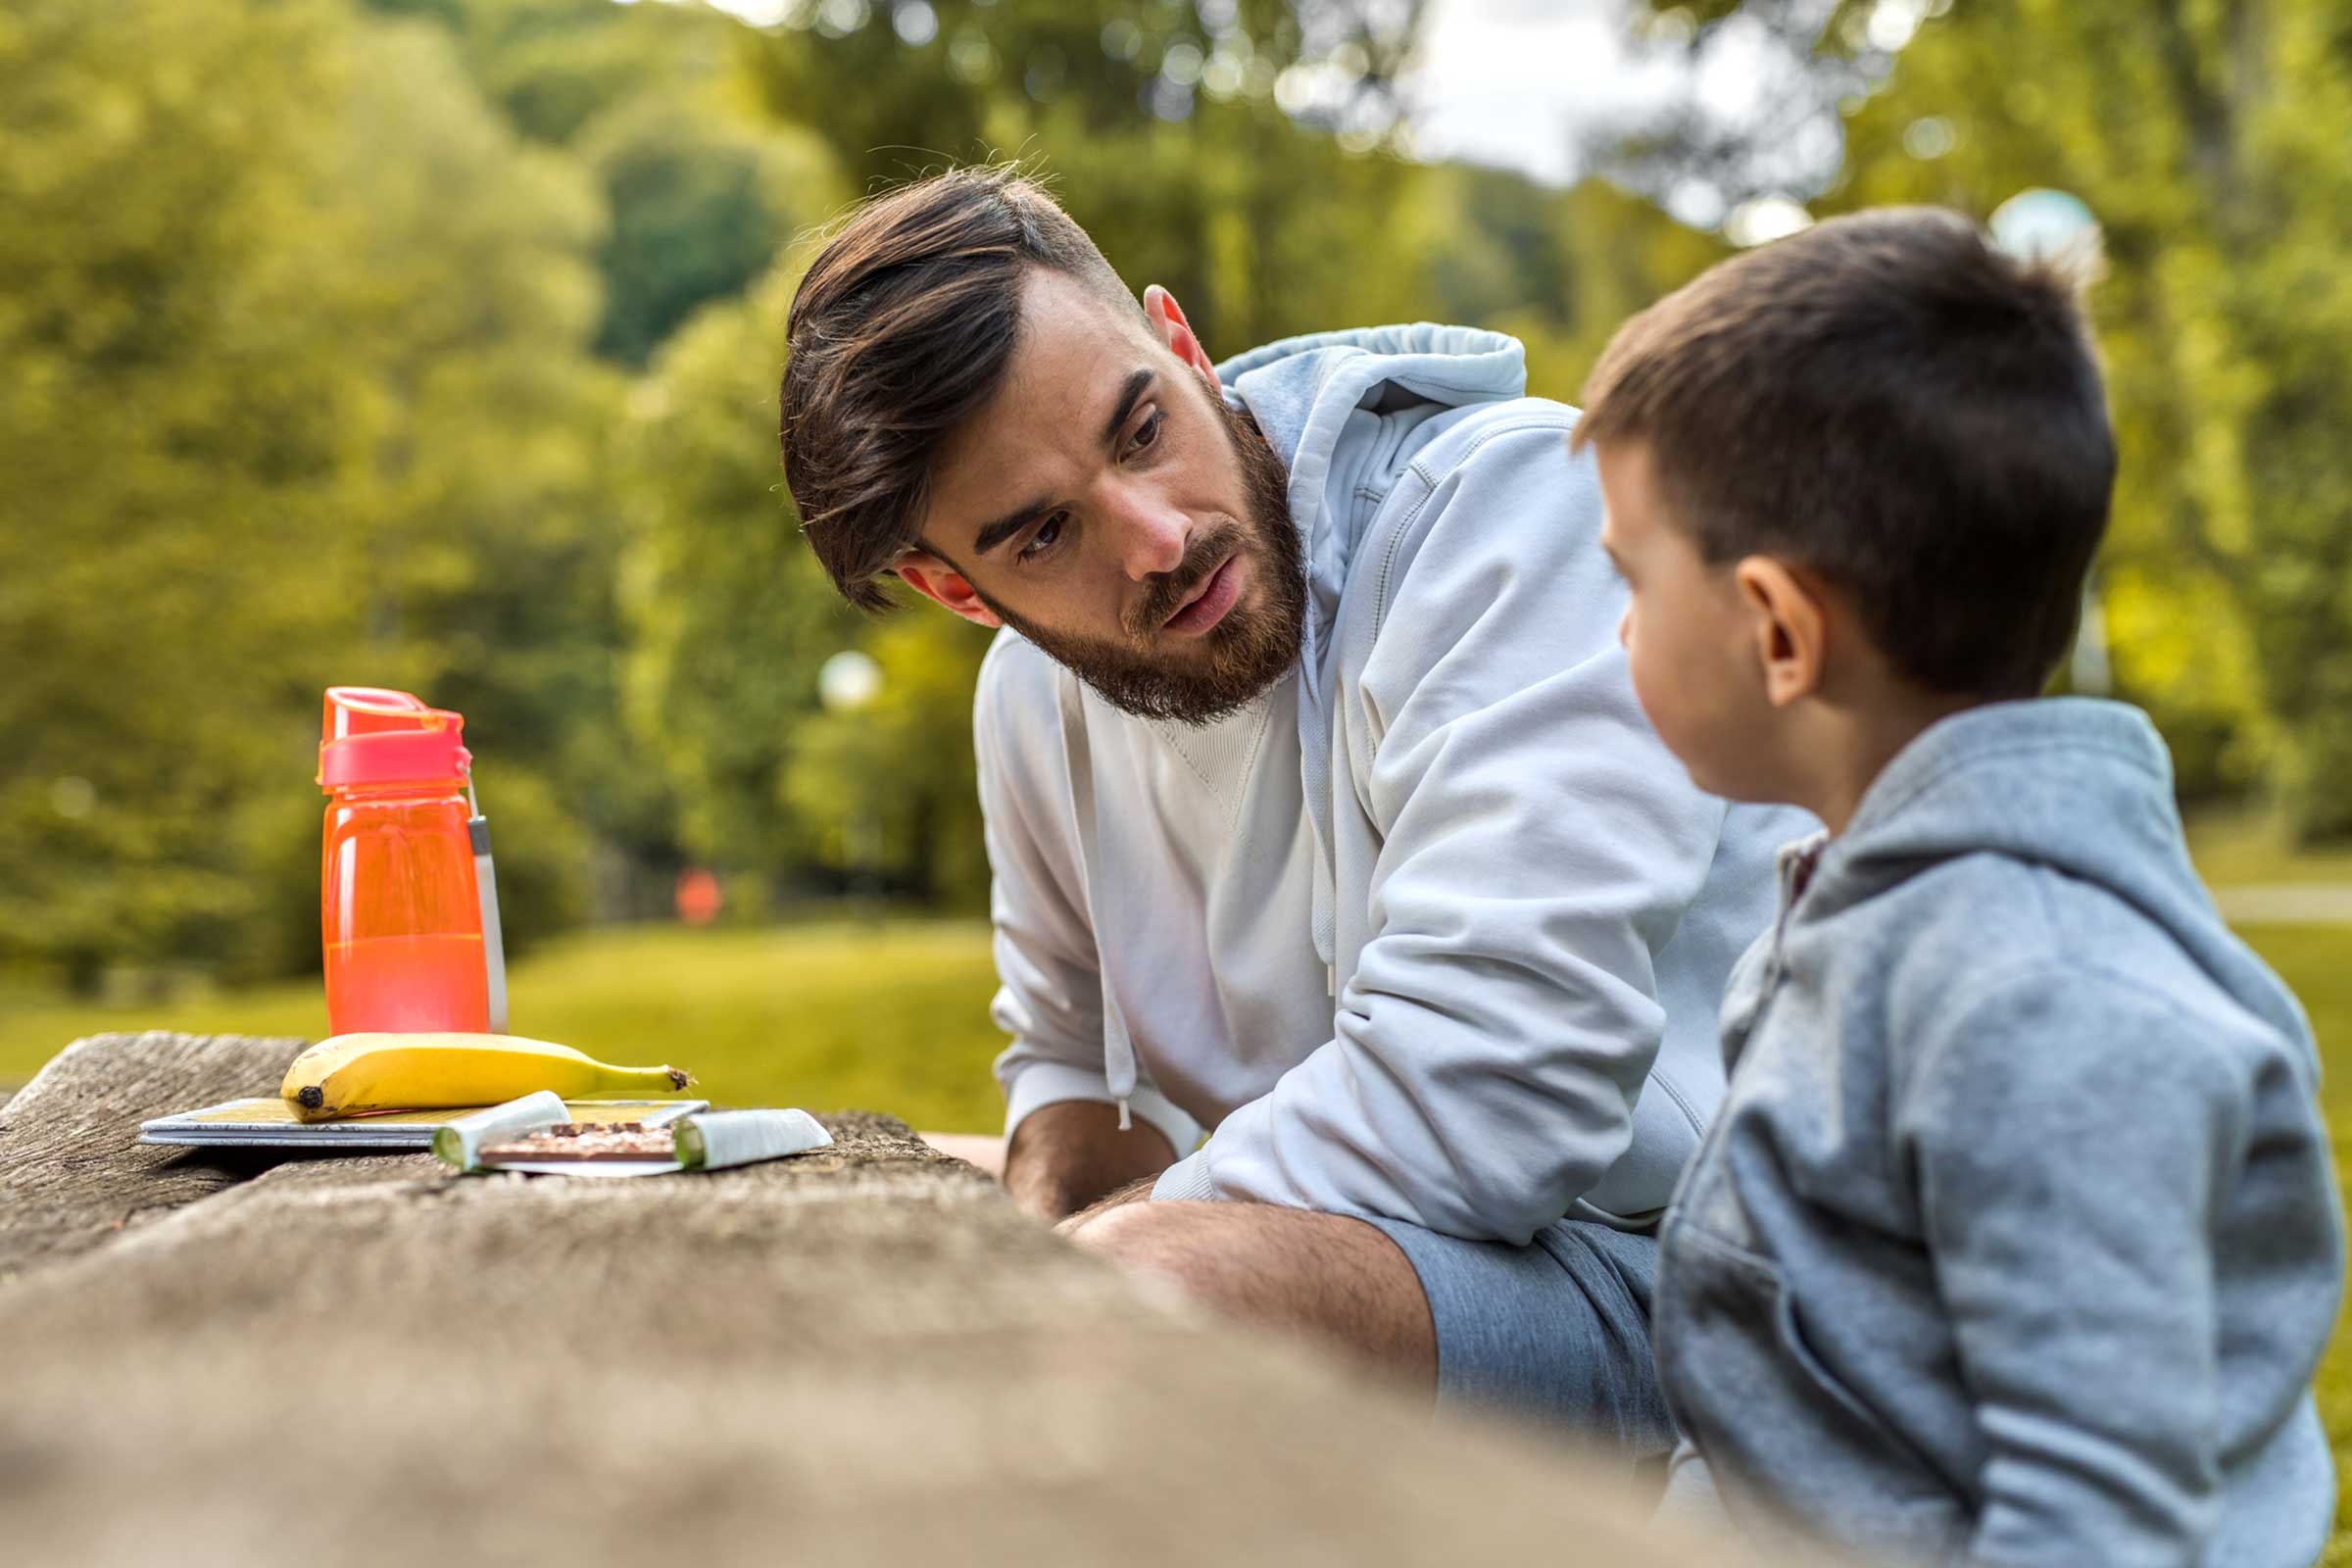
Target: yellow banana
x,y
348,1074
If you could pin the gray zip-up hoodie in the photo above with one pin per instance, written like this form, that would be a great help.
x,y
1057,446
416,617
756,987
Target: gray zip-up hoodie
x,y
2016,1240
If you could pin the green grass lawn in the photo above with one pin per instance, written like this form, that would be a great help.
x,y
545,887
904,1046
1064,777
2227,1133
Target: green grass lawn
x,y
891,1015
888,1016
2317,960
2245,846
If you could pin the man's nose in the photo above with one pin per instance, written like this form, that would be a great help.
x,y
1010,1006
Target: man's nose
x,y
1152,535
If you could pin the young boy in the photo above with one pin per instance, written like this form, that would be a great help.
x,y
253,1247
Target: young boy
x,y
2016,1240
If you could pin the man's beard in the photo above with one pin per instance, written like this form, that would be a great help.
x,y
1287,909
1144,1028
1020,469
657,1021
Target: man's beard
x,y
1246,652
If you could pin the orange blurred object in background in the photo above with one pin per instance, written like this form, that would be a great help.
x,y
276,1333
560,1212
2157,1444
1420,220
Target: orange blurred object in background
x,y
700,898
400,909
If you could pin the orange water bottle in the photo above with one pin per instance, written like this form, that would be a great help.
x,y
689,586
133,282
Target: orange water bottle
x,y
407,905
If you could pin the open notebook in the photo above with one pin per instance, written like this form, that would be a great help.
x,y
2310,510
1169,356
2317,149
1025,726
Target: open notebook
x,y
271,1123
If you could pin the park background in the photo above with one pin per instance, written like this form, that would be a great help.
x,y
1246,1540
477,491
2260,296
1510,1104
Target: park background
x,y
434,344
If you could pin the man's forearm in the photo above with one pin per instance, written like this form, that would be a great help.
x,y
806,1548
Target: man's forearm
x,y
1065,1156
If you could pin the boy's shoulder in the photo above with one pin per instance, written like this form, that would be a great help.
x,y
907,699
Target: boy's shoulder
x,y
2022,968
2022,864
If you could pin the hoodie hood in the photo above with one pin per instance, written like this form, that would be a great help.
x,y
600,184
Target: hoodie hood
x,y
1302,392
2077,784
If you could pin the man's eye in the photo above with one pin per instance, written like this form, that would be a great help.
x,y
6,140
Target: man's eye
x,y
1147,432
1043,539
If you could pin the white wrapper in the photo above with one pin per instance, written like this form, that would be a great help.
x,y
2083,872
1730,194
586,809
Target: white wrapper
x,y
712,1140
461,1142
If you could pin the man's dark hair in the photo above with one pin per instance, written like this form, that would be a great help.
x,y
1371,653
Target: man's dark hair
x,y
902,329
1891,401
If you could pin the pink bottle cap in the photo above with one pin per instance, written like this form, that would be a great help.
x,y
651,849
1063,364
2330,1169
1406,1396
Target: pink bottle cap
x,y
370,735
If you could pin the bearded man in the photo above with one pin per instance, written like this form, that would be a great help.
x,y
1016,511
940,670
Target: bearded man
x,y
1321,814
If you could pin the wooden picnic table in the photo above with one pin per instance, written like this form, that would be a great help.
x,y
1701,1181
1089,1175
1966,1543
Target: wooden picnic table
x,y
866,1354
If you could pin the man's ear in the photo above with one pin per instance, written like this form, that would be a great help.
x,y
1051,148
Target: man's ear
x,y
1791,626
944,585
1170,328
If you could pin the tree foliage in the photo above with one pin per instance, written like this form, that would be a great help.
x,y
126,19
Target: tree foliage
x,y
2210,142
298,394
435,343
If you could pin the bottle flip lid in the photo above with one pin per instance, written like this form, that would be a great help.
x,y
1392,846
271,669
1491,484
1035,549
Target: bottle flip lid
x,y
371,735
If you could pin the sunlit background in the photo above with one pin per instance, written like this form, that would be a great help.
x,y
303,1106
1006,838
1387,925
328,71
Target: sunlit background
x,y
433,343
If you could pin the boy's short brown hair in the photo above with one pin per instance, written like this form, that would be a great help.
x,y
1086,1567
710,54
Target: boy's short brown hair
x,y
1891,401
902,329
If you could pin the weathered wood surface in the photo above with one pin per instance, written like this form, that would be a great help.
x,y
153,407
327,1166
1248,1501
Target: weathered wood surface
x,y
859,1356
70,1175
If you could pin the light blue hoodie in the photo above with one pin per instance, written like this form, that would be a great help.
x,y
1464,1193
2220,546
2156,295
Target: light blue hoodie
x,y
1436,930
2016,1240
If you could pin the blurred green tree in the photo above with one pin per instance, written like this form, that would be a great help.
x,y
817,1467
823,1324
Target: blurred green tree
x,y
554,65
434,342
701,191
729,614
1161,129
2210,143
892,786
700,201
298,394
490,544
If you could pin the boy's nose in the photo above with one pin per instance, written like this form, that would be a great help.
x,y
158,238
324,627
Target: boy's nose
x,y
1624,628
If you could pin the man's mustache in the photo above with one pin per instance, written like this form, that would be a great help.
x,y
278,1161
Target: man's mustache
x,y
1168,591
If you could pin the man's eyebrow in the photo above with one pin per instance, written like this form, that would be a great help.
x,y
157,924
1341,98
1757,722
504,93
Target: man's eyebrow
x,y
1128,393
996,533
1005,527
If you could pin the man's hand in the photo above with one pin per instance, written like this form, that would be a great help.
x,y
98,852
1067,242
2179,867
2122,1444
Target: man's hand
x,y
1066,1155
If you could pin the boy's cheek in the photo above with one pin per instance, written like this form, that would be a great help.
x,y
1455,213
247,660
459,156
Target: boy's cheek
x,y
1652,689
1680,704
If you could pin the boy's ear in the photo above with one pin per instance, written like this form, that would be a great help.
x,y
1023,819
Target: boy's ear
x,y
927,574
1791,624
1170,328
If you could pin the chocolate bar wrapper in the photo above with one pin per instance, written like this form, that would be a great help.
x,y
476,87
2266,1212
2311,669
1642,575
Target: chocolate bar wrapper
x,y
461,1142
713,1140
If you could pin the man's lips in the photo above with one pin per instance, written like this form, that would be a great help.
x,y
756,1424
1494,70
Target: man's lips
x,y
1208,602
